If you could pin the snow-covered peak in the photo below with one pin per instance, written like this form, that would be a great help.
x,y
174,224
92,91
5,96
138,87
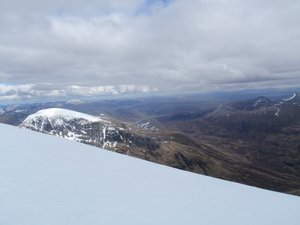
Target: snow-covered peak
x,y
58,113
72,125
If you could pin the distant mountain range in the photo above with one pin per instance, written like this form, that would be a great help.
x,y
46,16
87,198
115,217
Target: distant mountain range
x,y
254,141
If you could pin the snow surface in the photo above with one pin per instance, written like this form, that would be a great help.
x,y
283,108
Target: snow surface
x,y
47,180
56,113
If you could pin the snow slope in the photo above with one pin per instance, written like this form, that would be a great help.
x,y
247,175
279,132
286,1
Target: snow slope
x,y
47,180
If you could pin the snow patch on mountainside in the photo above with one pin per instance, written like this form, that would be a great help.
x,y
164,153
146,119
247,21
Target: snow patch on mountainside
x,y
260,101
281,103
291,98
256,103
277,112
147,125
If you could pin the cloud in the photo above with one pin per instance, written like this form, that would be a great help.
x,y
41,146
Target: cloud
x,y
50,91
163,45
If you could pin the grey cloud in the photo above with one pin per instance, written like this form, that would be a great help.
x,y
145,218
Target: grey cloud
x,y
176,47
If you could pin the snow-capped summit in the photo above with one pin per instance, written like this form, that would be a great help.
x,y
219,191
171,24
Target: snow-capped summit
x,y
74,126
100,131
58,114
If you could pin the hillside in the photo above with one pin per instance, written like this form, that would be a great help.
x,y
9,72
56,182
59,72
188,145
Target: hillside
x,y
47,180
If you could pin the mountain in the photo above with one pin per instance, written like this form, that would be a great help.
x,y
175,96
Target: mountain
x,y
143,139
257,140
251,104
99,131
255,118
47,180
253,141
75,126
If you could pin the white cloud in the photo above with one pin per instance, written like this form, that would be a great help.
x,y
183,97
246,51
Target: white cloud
x,y
48,90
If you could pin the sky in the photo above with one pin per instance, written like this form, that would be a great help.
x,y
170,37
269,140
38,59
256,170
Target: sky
x,y
76,48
